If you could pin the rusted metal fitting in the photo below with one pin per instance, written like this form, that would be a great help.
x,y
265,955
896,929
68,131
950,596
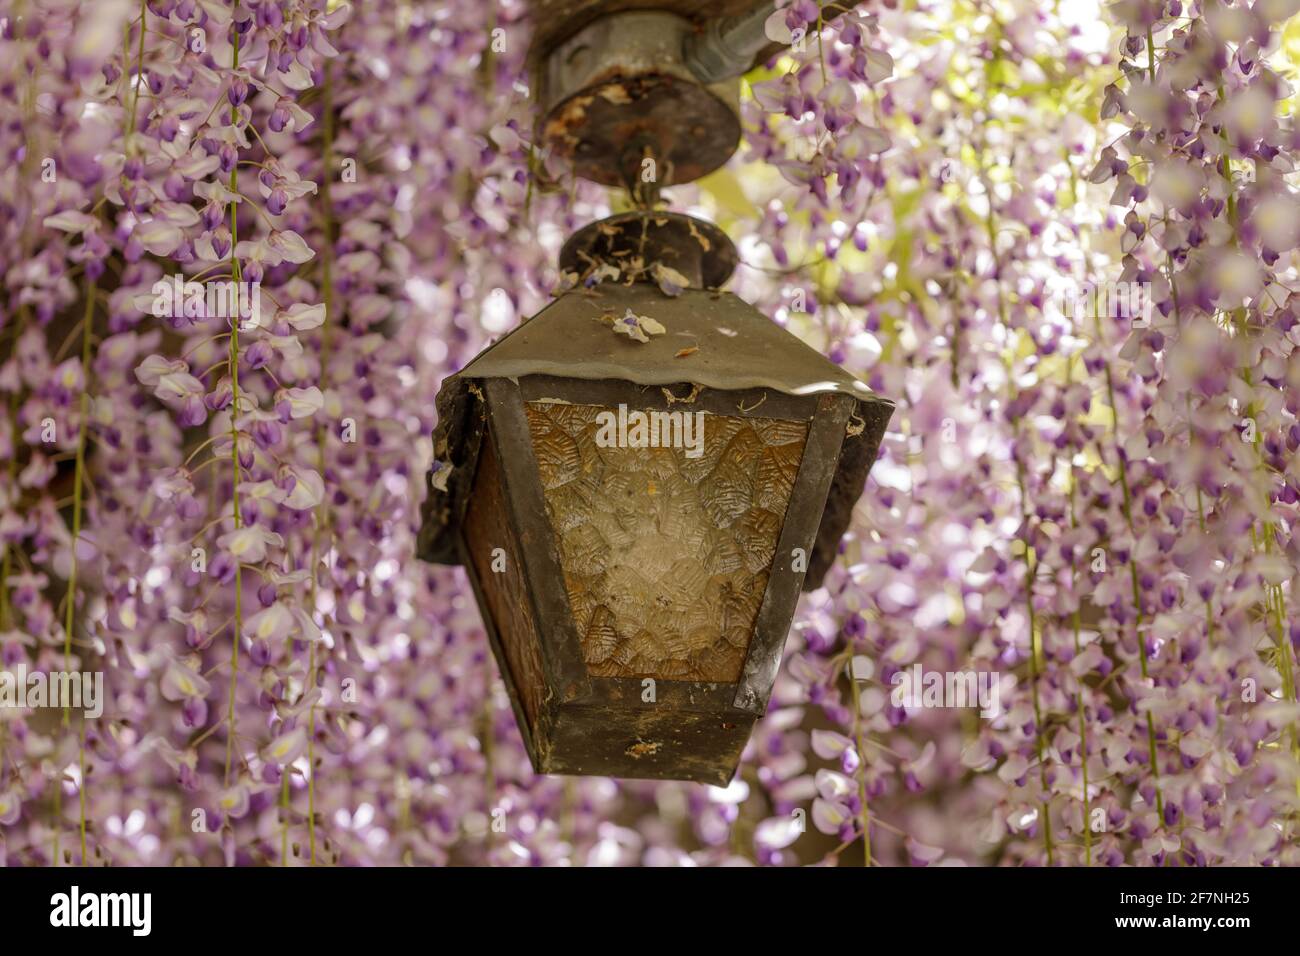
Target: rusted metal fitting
x,y
634,242
623,106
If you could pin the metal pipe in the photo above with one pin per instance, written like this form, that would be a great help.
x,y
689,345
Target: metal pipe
x,y
726,48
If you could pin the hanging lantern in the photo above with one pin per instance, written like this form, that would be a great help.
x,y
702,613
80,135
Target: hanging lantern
x,y
638,485
639,479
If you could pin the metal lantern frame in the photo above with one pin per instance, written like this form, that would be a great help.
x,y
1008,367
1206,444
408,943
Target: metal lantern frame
x,y
646,98
744,365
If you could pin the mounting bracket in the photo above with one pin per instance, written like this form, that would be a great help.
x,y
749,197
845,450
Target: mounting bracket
x,y
623,104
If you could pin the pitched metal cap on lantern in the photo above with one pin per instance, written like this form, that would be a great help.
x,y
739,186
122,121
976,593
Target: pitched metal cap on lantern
x,y
638,484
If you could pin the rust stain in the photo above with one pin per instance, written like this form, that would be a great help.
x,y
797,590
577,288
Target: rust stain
x,y
571,115
696,235
673,399
615,93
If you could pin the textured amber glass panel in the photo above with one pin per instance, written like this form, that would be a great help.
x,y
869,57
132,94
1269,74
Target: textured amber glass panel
x,y
665,556
505,592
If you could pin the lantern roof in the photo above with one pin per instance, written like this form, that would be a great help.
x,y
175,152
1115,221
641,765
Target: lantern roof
x,y
711,340
734,348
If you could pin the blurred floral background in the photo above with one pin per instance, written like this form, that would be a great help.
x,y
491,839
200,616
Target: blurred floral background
x,y
1101,512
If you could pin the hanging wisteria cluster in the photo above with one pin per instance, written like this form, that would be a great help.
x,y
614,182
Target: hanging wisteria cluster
x,y
1062,237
